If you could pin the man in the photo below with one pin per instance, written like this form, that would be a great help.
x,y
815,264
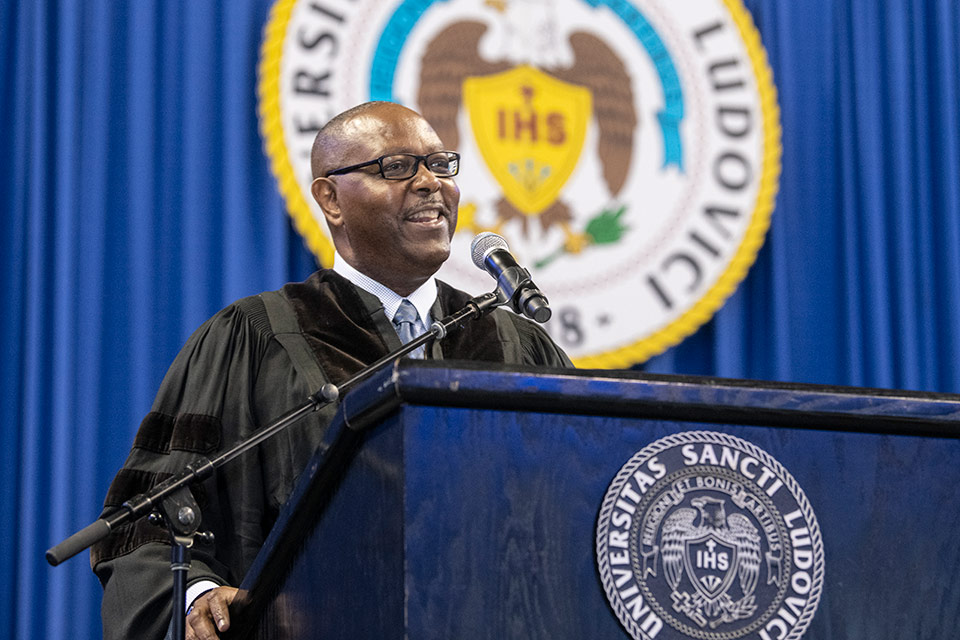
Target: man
x,y
385,184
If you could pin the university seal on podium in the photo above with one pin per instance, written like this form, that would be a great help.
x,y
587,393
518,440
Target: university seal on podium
x,y
705,535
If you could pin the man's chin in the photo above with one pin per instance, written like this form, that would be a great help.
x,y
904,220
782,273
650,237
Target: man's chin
x,y
429,260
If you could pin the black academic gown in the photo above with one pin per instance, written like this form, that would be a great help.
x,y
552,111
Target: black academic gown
x,y
234,375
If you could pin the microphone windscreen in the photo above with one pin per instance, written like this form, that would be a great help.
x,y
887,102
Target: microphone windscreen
x,y
483,244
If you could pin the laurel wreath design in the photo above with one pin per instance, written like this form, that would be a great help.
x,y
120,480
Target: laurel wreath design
x,y
732,610
711,437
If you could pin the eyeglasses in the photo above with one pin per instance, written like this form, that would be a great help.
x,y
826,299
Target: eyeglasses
x,y
400,166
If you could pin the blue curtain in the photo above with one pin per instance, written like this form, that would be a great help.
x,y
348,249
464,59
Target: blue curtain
x,y
136,201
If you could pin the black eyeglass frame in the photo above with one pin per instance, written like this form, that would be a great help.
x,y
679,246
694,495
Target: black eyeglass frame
x,y
452,156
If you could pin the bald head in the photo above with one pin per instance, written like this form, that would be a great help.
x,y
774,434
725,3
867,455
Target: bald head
x,y
338,137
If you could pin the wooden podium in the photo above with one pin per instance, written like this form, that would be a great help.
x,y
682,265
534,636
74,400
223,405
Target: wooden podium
x,y
455,501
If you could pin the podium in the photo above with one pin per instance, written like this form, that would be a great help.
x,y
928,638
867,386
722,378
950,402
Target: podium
x,y
451,500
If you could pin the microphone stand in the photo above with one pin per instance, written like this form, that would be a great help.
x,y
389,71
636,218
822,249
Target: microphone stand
x,y
172,502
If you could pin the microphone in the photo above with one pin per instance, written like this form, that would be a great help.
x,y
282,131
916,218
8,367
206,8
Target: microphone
x,y
491,253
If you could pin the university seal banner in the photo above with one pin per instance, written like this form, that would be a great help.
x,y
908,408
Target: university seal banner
x,y
628,150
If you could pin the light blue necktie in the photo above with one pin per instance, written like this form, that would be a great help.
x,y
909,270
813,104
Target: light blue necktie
x,y
408,325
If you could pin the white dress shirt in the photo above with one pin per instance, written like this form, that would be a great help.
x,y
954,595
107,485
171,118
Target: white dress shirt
x,y
423,298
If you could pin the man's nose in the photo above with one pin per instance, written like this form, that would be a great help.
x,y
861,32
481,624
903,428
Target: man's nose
x,y
424,180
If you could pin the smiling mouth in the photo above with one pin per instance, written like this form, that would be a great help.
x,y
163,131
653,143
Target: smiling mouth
x,y
426,215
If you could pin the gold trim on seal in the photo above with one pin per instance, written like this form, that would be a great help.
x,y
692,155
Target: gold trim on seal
x,y
271,128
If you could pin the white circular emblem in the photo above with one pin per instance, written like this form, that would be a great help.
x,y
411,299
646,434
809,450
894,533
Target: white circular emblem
x,y
629,151
704,535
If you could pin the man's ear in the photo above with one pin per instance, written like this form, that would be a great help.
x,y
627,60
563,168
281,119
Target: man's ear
x,y
324,191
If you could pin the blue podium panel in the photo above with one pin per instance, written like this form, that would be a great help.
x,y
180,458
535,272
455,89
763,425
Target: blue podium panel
x,y
500,534
466,504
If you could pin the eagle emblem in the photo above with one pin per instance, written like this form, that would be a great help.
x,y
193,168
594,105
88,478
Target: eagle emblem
x,y
713,551
530,116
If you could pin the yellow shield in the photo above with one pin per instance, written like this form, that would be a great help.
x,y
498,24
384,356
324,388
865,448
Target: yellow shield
x,y
530,129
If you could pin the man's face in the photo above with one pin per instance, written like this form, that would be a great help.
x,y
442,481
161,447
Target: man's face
x,y
395,231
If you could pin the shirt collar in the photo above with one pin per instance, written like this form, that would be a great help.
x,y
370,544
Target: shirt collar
x,y
423,298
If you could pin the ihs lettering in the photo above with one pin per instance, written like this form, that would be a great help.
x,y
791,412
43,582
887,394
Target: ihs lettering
x,y
531,125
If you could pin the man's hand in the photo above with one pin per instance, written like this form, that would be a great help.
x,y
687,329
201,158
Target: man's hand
x,y
210,614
